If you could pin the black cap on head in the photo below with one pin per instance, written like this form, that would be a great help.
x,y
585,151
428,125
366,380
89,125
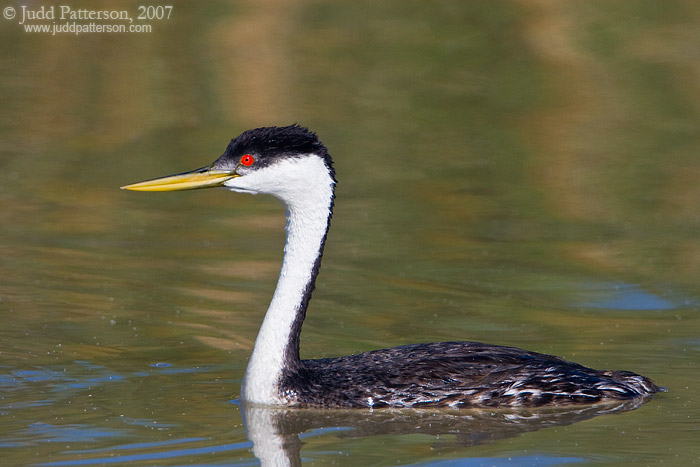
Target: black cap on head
x,y
268,144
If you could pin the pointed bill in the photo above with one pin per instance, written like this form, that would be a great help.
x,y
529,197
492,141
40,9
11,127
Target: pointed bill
x,y
200,178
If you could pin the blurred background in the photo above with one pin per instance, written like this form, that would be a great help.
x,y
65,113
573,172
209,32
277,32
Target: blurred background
x,y
514,172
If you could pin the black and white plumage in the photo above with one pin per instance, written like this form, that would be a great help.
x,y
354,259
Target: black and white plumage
x,y
291,164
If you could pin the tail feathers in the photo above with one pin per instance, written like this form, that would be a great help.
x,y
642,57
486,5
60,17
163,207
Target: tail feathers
x,y
628,382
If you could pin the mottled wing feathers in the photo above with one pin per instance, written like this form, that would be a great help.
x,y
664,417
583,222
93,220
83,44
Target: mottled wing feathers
x,y
455,374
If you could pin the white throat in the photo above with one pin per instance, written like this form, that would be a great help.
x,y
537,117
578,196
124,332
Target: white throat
x,y
305,185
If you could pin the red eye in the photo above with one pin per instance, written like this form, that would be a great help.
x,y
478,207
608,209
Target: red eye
x,y
247,160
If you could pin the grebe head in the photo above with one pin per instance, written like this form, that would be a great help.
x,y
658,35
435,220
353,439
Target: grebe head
x,y
285,162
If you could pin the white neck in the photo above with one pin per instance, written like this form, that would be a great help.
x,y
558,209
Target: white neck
x,y
306,187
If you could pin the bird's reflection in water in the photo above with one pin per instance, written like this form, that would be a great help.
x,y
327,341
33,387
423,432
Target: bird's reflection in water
x,y
275,431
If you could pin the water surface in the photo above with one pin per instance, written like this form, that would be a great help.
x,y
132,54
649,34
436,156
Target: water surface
x,y
509,172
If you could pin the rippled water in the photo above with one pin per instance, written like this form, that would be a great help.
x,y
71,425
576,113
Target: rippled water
x,y
510,172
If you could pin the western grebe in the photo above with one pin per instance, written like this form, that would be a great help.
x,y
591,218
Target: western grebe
x,y
291,164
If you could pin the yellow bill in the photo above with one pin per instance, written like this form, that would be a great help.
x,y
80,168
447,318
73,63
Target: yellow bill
x,y
200,178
